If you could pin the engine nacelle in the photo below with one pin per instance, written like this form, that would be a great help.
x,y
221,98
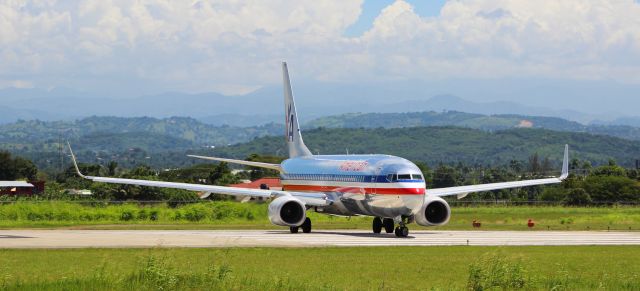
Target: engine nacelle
x,y
287,211
434,212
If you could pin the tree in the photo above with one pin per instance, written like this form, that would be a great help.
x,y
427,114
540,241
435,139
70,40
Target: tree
x,y
221,175
111,167
577,197
611,188
610,170
545,168
257,173
534,164
445,176
16,168
515,166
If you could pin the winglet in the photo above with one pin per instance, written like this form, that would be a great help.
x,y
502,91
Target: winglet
x,y
75,163
565,163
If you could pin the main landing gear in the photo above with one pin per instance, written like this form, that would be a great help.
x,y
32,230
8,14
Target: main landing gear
x,y
388,223
306,226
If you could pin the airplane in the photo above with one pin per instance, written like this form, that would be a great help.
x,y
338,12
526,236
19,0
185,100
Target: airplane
x,y
390,189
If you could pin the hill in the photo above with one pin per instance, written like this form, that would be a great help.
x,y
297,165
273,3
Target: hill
x,y
38,134
432,145
451,145
470,120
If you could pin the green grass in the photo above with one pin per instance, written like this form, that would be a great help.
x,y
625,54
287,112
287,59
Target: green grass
x,y
374,268
232,215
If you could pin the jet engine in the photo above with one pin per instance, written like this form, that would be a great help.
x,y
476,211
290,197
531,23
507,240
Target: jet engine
x,y
287,211
434,212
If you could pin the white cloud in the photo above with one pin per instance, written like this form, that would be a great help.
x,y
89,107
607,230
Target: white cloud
x,y
235,46
498,38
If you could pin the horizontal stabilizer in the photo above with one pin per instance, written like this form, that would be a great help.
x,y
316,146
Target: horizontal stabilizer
x,y
240,162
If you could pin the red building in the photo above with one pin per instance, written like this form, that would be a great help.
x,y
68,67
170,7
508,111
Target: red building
x,y
262,183
21,187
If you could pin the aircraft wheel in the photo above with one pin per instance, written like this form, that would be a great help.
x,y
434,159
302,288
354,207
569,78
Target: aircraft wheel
x,y
388,225
377,225
306,225
402,231
293,229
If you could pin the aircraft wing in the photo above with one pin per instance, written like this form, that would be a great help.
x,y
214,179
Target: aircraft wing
x,y
309,198
462,191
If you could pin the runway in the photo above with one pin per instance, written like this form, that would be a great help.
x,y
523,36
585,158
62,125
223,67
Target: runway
x,y
281,238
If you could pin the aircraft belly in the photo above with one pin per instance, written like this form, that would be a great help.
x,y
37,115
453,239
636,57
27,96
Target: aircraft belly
x,y
373,204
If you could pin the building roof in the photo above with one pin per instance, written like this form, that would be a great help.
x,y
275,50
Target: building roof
x,y
6,184
271,182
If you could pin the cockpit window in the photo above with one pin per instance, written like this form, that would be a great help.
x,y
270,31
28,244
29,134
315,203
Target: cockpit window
x,y
404,176
417,177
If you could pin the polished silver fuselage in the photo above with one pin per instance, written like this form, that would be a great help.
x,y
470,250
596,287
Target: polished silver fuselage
x,y
358,184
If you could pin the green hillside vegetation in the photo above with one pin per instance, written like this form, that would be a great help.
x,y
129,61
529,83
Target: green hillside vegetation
x,y
433,145
163,143
470,120
40,135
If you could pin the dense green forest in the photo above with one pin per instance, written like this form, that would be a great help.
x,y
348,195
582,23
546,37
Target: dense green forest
x,y
431,145
450,145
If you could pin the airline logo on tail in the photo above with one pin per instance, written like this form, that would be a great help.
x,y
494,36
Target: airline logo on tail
x,y
289,124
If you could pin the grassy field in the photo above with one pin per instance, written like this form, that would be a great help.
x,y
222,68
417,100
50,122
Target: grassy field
x,y
232,215
379,268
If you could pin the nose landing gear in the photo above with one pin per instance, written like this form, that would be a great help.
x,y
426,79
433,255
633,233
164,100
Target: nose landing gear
x,y
402,231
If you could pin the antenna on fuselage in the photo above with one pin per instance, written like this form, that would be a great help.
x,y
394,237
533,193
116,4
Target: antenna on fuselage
x,y
296,145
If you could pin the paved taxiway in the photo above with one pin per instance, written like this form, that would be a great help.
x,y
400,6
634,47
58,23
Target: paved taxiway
x,y
277,238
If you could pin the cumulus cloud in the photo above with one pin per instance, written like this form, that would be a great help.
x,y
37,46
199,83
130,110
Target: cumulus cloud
x,y
235,46
498,38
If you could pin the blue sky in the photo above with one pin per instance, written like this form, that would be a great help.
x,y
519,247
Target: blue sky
x,y
582,55
372,8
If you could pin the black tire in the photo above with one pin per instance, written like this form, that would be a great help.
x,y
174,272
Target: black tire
x,y
377,225
306,225
388,225
293,229
402,231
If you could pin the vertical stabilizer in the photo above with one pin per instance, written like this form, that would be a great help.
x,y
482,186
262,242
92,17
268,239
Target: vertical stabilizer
x,y
292,128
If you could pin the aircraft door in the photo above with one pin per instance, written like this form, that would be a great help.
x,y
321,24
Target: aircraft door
x,y
374,181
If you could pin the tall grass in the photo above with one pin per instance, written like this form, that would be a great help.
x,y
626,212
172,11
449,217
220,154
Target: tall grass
x,y
381,268
226,214
129,212
157,273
